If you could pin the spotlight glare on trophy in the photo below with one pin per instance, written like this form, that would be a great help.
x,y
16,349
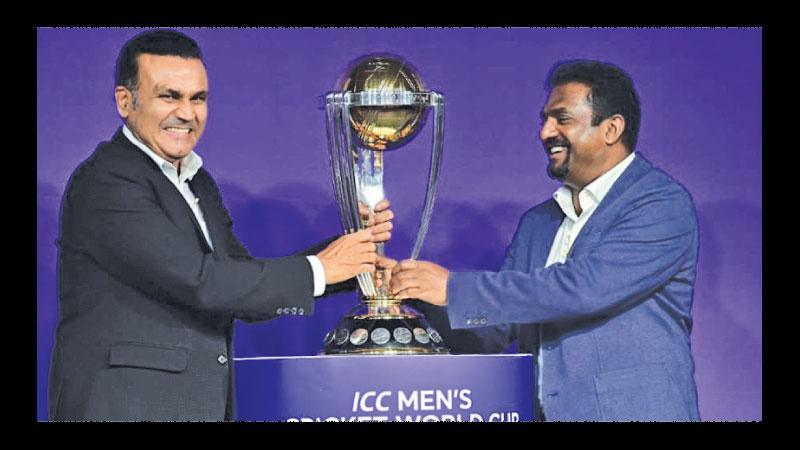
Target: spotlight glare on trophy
x,y
380,106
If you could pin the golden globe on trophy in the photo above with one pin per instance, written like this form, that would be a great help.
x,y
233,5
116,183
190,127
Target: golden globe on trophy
x,y
380,105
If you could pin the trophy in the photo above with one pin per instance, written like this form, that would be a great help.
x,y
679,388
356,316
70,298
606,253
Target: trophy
x,y
380,106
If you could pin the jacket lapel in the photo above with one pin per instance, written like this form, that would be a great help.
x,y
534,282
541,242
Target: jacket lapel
x,y
543,239
203,191
172,202
599,220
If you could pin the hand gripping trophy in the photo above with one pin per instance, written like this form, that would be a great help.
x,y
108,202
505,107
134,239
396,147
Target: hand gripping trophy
x,y
380,106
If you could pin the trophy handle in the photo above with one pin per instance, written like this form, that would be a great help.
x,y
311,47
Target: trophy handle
x,y
342,160
437,101
333,110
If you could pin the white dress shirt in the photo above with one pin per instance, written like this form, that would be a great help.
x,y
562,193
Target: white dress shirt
x,y
571,226
189,167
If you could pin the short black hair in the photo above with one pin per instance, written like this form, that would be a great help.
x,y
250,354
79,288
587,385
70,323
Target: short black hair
x,y
154,42
611,92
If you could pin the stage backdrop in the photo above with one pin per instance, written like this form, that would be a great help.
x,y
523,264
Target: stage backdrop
x,y
266,145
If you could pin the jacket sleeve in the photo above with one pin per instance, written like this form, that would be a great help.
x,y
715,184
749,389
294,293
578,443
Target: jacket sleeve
x,y
646,246
237,250
344,286
116,220
483,339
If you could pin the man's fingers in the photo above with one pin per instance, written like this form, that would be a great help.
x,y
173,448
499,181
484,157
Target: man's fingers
x,y
364,235
382,205
385,262
404,265
407,275
382,237
408,264
413,292
366,268
400,284
384,216
381,227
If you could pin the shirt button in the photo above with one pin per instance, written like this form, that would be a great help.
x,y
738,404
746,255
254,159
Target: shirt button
x,y
222,359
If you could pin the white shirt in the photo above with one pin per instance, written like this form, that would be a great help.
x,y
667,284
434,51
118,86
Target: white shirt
x,y
571,226
189,167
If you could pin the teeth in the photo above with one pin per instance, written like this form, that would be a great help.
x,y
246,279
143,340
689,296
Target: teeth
x,y
555,150
179,130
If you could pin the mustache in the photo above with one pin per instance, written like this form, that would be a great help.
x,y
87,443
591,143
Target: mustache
x,y
179,123
555,142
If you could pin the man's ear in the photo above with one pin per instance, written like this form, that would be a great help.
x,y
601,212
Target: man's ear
x,y
615,126
124,99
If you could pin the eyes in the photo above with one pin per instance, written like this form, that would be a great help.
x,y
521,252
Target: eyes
x,y
175,96
561,119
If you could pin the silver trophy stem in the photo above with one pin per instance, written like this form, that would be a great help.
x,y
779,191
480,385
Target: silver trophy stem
x,y
350,164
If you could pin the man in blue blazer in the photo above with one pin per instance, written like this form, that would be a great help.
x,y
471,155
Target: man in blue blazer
x,y
598,280
151,275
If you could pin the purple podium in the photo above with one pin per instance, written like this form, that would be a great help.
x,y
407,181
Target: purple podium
x,y
408,388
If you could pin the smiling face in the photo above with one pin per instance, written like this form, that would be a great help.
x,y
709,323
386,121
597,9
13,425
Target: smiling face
x,y
574,146
169,111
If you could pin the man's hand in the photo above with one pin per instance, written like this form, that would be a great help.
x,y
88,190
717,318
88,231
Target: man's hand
x,y
383,271
348,256
420,279
379,222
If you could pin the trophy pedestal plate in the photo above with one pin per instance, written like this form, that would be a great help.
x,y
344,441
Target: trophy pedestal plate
x,y
383,327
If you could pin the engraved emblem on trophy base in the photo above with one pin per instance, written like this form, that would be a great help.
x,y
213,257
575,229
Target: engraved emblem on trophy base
x,y
380,106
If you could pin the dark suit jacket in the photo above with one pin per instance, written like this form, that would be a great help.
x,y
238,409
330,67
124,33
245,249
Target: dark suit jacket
x,y
614,318
146,307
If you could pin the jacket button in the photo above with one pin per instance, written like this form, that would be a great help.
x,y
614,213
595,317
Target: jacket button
x,y
483,321
294,310
222,359
279,311
300,311
469,321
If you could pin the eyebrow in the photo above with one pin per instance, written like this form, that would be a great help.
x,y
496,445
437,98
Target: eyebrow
x,y
178,94
553,112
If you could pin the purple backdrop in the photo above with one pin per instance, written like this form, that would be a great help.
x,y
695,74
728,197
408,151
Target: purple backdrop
x,y
266,145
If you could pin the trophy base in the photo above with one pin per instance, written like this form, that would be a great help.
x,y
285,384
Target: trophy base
x,y
383,327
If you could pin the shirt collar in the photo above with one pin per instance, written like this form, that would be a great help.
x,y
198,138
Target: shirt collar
x,y
189,166
594,192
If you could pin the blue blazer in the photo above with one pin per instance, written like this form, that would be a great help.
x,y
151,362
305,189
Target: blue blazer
x,y
613,321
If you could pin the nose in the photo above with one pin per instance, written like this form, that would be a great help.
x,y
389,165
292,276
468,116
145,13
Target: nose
x,y
548,129
185,111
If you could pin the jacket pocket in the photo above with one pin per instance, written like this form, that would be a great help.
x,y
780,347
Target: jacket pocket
x,y
641,393
148,356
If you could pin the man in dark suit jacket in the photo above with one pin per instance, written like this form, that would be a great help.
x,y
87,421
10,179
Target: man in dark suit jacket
x,y
151,275
598,280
